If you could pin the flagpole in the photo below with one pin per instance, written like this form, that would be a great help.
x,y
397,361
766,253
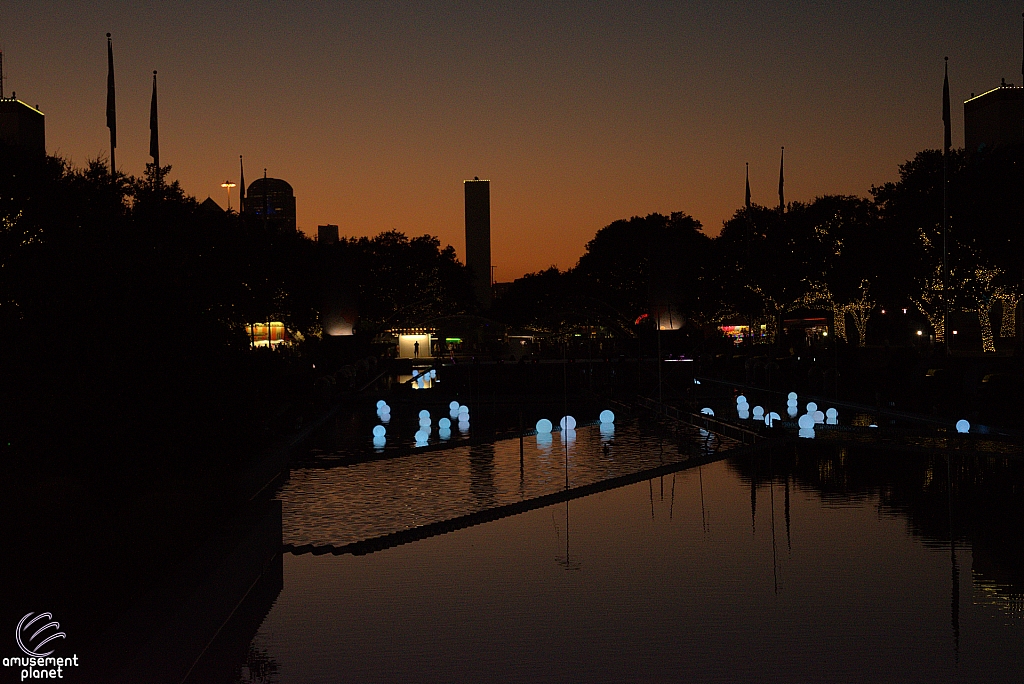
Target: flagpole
x,y
782,182
154,129
241,184
111,105
946,115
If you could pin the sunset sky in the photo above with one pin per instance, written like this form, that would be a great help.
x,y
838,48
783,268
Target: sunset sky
x,y
580,113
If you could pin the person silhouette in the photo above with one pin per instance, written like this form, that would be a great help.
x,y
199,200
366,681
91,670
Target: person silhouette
x,y
416,350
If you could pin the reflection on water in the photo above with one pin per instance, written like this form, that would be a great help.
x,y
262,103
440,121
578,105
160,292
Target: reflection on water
x,y
334,506
812,563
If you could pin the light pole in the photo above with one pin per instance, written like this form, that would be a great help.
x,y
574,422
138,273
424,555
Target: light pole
x,y
228,185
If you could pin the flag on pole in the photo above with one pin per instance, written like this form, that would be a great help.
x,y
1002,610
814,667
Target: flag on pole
x,y
154,129
782,181
948,140
111,106
748,186
241,185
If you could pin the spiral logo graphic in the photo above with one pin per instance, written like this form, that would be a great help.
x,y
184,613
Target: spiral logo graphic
x,y
32,635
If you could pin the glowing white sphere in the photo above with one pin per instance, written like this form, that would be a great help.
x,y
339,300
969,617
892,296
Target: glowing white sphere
x,y
791,411
962,426
444,424
415,372
567,423
463,427
424,422
770,419
453,406
607,417
758,412
744,414
819,417
791,396
741,399
424,414
543,426
464,410
743,407
385,417
832,413
707,411
806,422
380,402
379,431
811,407
421,437
379,442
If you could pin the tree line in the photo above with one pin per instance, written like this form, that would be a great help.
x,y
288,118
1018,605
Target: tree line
x,y
852,256
124,302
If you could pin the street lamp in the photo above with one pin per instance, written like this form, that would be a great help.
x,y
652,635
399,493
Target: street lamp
x,y
228,185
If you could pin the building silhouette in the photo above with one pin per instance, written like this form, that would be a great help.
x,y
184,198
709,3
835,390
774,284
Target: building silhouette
x,y
994,118
327,235
22,125
271,200
478,238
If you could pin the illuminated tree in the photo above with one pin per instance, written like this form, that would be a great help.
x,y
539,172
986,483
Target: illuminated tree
x,y
929,301
860,310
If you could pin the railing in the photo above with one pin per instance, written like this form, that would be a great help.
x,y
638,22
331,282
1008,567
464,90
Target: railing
x,y
709,423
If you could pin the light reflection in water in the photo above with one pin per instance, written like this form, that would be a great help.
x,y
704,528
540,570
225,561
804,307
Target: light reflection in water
x,y
855,595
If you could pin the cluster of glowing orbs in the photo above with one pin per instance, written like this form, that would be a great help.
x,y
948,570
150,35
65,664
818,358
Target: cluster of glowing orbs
x,y
791,408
